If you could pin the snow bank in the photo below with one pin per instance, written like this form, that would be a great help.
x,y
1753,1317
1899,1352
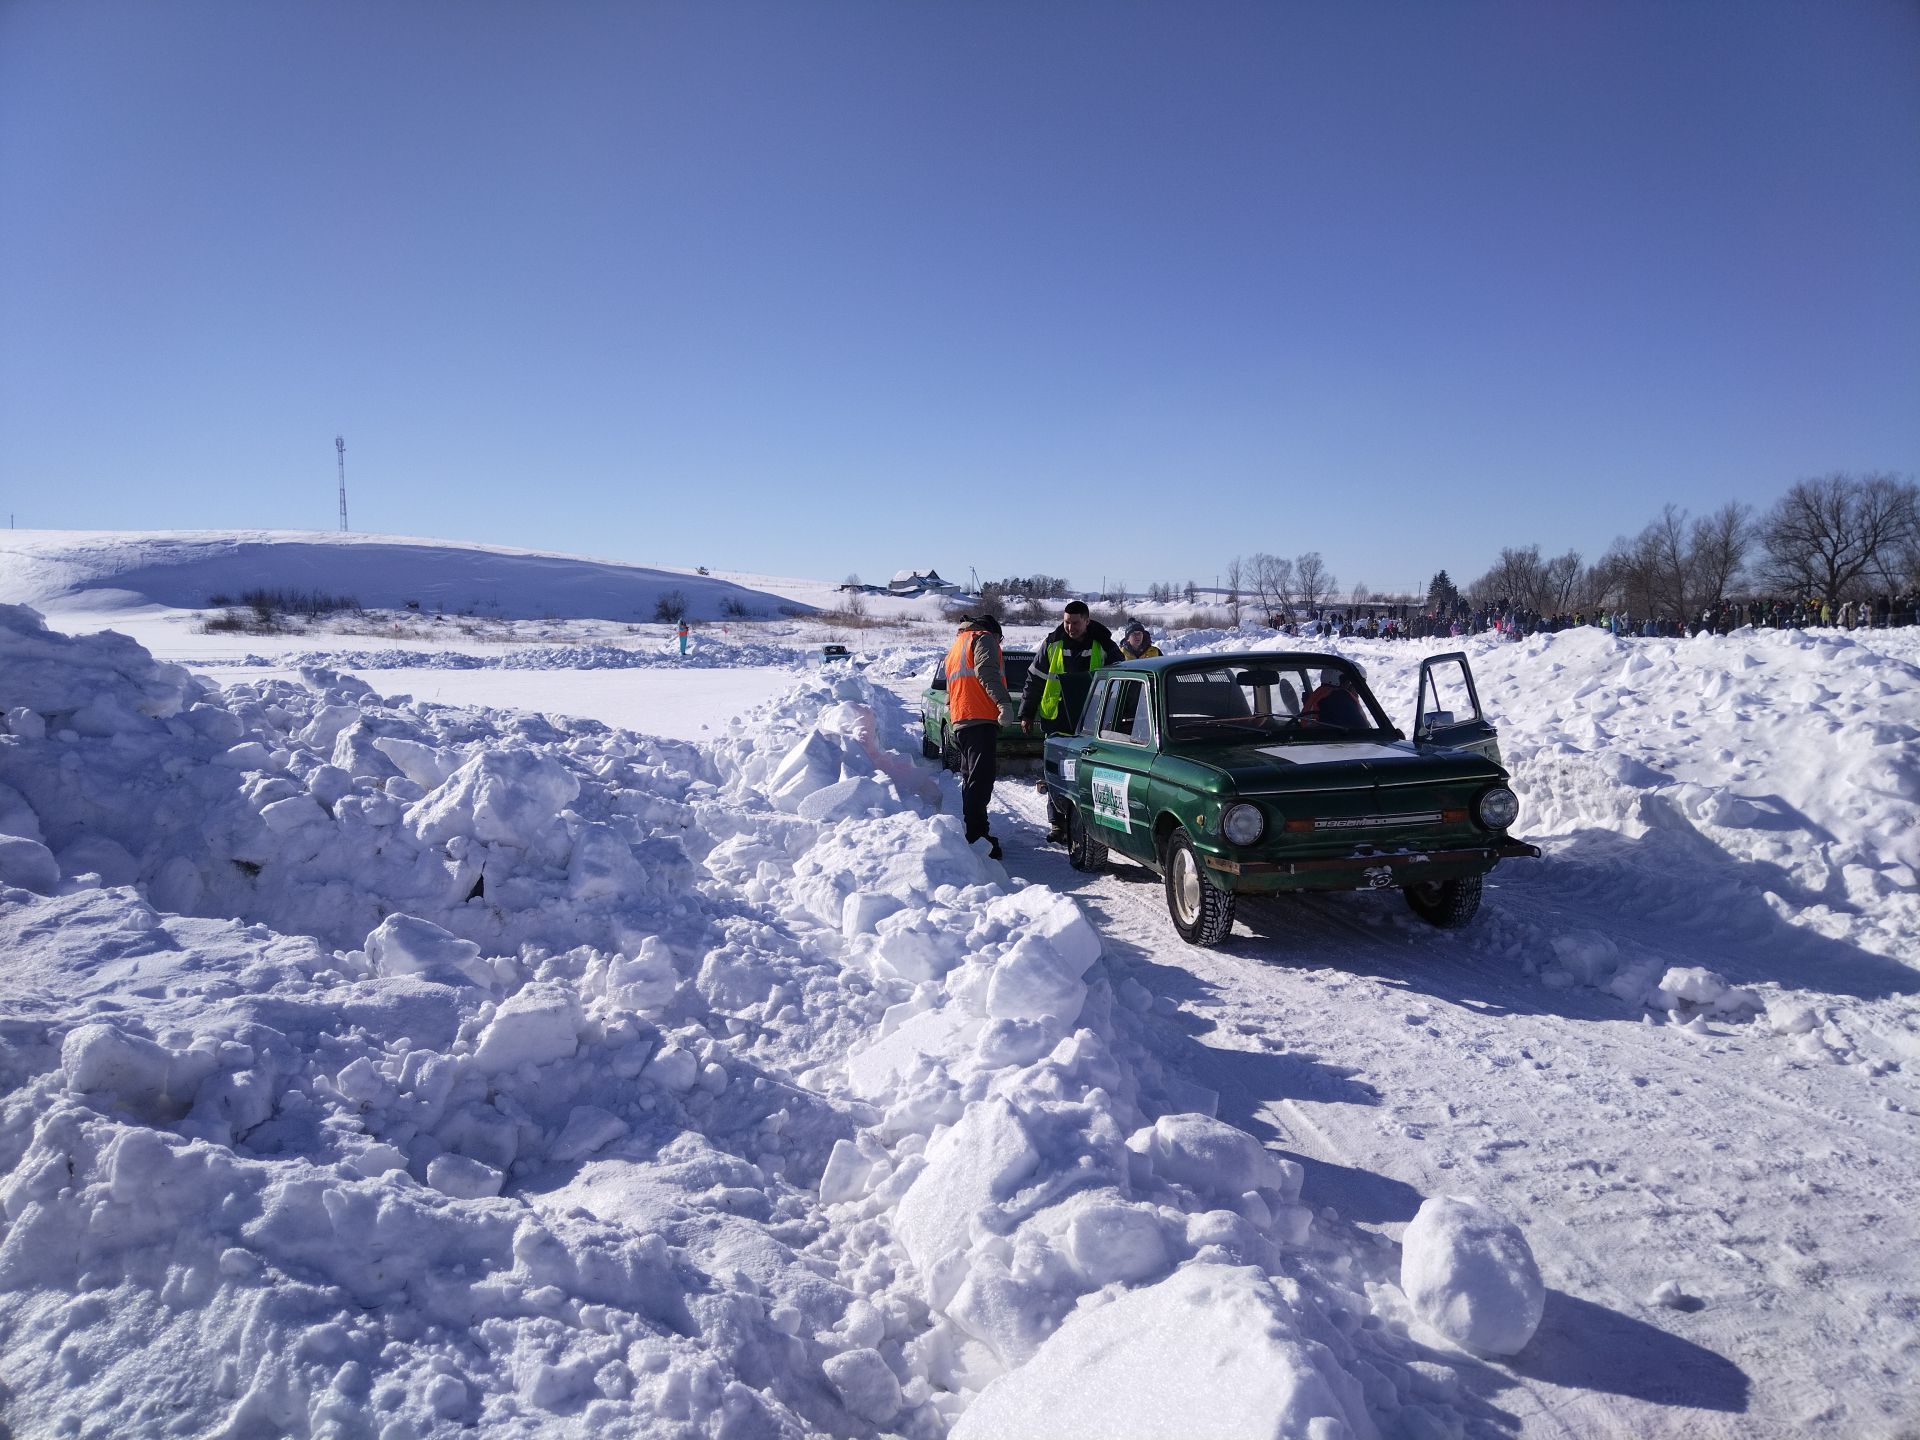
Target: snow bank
x,y
704,652
1721,788
388,1068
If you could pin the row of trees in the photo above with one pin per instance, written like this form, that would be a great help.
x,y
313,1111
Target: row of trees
x,y
1029,587
1835,538
1275,585
1166,594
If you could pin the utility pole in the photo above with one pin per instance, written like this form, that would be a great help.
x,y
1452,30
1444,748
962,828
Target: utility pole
x,y
340,445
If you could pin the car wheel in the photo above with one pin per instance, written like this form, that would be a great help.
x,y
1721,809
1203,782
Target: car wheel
x,y
949,756
1448,904
1083,851
927,747
1202,912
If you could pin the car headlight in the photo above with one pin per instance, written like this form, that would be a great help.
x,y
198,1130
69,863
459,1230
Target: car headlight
x,y
1498,808
1242,824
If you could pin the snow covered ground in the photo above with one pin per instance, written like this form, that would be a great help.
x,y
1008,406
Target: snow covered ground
x,y
398,1066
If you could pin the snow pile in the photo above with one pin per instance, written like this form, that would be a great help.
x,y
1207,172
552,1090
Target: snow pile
x,y
320,809
1756,790
389,1068
1012,1181
1215,1341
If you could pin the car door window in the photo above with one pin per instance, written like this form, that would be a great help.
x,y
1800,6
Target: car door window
x,y
1126,716
1446,695
1096,704
1143,719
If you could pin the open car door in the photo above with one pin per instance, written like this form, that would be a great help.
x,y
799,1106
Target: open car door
x,y
1448,710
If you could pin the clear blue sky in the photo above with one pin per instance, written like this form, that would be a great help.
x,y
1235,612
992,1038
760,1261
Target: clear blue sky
x,y
1100,289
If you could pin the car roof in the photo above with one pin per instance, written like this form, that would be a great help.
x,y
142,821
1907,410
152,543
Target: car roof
x,y
1155,664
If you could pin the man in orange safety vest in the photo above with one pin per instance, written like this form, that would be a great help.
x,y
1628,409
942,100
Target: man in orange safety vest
x,y
978,704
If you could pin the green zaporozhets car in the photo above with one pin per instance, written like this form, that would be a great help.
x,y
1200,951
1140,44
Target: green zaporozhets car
x,y
936,734
1268,771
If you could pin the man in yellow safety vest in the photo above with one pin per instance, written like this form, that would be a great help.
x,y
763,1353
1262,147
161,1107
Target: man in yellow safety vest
x,y
1059,679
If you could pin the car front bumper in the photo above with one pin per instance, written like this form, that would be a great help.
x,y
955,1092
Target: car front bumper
x,y
1362,870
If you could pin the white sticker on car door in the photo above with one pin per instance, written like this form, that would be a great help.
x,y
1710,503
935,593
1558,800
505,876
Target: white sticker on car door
x,y
1110,789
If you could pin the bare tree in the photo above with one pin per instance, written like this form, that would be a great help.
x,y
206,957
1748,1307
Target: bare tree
x,y
1828,534
1717,550
1597,586
1233,591
1513,580
1906,574
1312,581
1630,566
1271,580
1664,552
1357,596
1559,579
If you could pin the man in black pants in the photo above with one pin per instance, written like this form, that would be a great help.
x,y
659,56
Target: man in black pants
x,y
1058,682
978,703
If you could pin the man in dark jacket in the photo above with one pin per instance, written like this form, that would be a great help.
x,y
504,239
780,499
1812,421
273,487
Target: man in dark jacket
x,y
1058,682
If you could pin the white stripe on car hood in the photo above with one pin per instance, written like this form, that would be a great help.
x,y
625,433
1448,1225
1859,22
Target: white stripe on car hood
x,y
1336,754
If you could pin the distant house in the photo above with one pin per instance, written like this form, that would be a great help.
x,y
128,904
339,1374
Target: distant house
x,y
921,582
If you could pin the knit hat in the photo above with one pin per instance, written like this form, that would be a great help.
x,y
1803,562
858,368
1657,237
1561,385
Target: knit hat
x,y
1136,628
980,622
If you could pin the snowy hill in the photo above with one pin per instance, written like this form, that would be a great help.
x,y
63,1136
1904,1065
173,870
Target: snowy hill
x,y
376,1066
105,571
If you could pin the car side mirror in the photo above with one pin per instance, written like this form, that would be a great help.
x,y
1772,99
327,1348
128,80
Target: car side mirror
x,y
1439,719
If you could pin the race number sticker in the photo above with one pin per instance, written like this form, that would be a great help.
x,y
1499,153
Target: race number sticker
x,y
1110,797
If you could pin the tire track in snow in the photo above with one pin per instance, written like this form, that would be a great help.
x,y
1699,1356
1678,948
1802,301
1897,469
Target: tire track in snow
x,y
1619,1163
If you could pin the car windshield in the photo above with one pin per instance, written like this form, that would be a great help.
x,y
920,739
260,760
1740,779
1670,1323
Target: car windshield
x,y
1295,700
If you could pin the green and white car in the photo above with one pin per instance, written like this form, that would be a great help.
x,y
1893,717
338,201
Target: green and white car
x,y
1267,771
936,731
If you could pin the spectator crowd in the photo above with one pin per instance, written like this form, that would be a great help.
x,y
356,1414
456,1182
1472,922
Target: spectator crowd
x,y
1773,612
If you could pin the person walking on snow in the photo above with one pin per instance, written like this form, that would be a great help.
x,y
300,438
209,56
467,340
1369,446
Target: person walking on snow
x,y
978,704
683,637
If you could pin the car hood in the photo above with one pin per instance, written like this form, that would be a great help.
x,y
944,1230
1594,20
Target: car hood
x,y
1341,765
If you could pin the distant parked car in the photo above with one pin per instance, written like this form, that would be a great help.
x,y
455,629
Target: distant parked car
x,y
936,734
1266,771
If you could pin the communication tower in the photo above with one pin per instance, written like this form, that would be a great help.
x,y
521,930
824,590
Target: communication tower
x,y
340,446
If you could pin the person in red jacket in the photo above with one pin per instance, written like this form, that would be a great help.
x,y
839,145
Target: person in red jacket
x,y
978,704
